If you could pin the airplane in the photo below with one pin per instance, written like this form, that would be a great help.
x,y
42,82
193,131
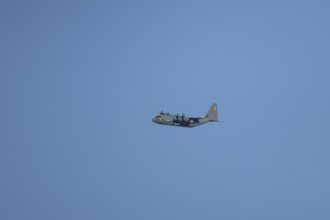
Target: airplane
x,y
183,121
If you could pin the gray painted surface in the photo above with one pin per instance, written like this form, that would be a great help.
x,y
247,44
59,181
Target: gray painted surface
x,y
183,121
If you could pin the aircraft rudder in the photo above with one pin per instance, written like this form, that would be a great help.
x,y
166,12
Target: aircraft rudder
x,y
212,114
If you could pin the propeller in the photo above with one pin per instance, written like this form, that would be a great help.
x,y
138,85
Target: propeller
x,y
182,116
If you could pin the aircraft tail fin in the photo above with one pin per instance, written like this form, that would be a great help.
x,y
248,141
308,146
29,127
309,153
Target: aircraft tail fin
x,y
212,114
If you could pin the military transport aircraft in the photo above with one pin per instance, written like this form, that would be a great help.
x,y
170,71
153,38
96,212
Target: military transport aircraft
x,y
183,121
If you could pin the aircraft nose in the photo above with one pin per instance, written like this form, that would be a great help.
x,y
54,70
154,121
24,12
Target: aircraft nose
x,y
155,120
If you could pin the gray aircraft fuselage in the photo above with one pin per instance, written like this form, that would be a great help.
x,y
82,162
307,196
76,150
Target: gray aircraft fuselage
x,y
183,121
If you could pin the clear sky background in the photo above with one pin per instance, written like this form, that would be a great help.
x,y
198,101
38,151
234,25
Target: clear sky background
x,y
80,82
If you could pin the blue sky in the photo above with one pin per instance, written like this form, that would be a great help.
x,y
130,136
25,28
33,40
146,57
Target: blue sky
x,y
81,80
